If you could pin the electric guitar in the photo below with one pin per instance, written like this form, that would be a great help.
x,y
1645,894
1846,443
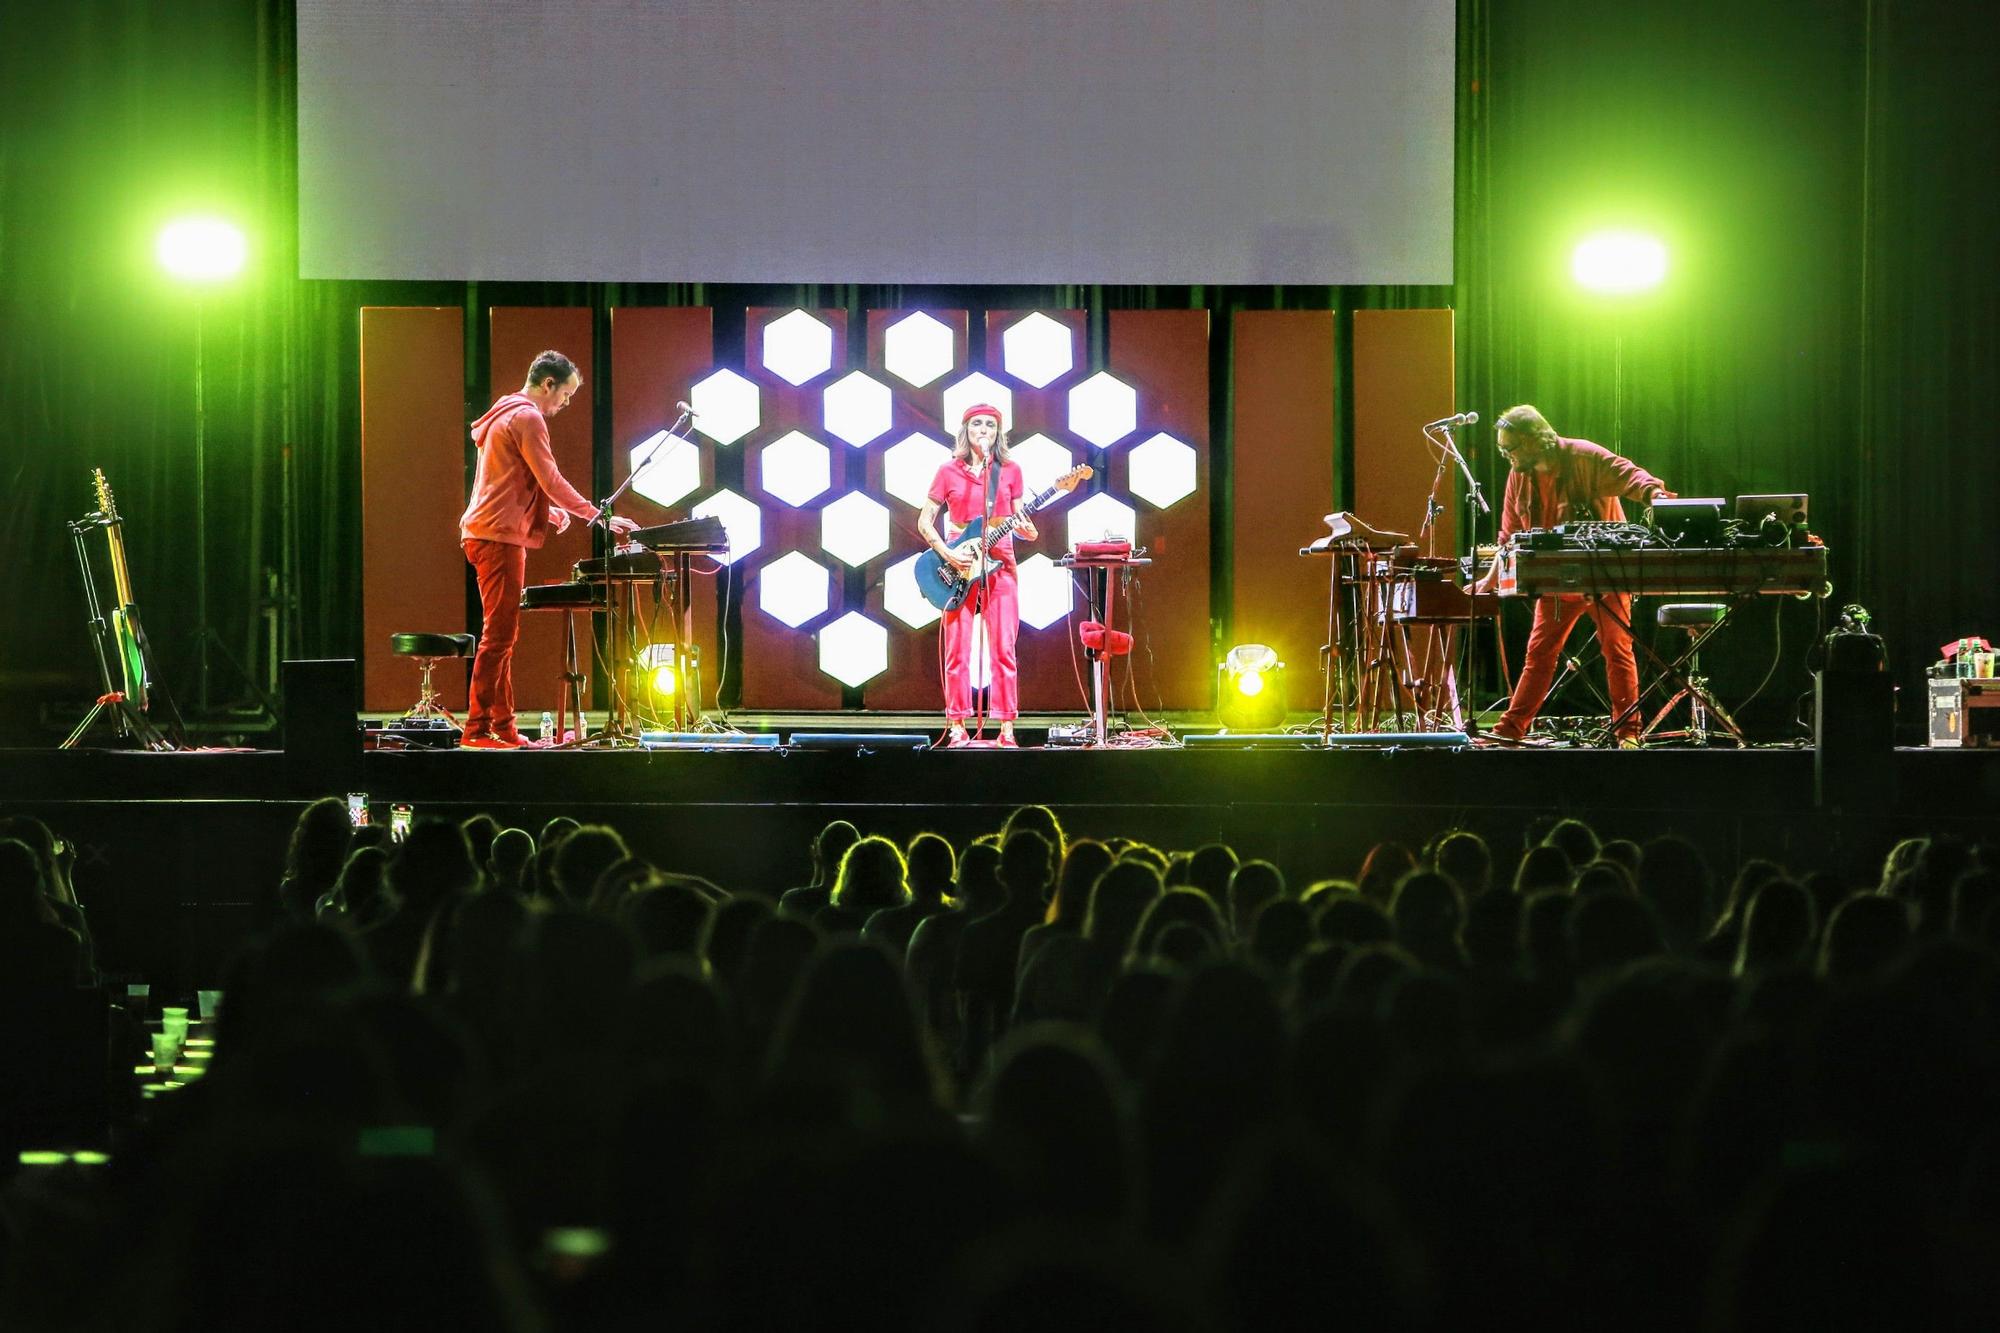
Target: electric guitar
x,y
127,634
946,586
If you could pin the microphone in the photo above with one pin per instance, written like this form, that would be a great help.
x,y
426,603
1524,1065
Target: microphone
x,y
1451,423
690,411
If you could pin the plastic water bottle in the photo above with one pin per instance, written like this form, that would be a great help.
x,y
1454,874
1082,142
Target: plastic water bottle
x,y
548,725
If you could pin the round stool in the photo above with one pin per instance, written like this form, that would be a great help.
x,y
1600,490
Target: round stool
x,y
1698,620
429,650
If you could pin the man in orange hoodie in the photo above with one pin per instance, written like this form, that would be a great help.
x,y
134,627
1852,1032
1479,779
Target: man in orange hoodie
x,y
518,495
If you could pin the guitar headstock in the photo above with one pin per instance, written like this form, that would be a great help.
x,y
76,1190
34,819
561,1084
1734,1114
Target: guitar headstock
x,y
1075,477
105,505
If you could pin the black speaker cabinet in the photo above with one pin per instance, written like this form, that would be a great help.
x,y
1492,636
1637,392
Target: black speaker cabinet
x,y
322,726
1854,738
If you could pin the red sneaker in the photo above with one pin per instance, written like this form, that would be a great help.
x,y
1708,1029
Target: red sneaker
x,y
486,741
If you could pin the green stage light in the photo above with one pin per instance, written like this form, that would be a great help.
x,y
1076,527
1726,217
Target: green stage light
x,y
1619,263
201,249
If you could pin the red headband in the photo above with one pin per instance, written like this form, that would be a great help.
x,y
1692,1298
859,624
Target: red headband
x,y
980,409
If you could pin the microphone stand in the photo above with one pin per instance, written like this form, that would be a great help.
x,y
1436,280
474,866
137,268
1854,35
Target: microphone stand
x,y
1440,435
671,433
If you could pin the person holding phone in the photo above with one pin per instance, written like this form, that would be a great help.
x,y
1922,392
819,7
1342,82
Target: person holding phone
x,y
518,496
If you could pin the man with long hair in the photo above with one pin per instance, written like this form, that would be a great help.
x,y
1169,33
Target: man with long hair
x,y
980,481
1553,480
518,494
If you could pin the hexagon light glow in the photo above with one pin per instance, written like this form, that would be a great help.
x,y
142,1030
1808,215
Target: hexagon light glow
x,y
917,349
674,469
1103,409
1046,591
740,519
854,528
726,407
794,588
1162,470
854,649
900,597
1103,516
798,347
909,465
977,388
1038,350
1042,460
857,408
794,467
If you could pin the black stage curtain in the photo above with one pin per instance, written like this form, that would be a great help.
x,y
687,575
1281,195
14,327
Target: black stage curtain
x,y
1823,173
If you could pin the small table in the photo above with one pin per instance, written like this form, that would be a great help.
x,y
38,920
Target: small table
x,y
1098,592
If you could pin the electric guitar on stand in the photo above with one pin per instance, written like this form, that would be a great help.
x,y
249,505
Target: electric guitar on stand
x,y
946,586
128,692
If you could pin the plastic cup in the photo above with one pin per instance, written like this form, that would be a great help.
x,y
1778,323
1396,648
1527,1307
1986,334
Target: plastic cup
x,y
174,1022
166,1050
210,1004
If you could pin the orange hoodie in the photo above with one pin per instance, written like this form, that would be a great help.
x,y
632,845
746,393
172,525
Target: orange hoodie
x,y
518,492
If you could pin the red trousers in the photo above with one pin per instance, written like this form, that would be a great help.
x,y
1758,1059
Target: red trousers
x,y
1554,618
501,568
990,617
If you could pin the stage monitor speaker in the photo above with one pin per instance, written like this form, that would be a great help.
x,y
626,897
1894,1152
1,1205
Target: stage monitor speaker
x,y
1854,737
322,726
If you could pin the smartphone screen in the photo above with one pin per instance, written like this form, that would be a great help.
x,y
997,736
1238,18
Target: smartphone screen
x,y
399,822
357,809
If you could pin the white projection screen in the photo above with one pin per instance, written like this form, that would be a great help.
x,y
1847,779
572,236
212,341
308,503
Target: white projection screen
x,y
877,141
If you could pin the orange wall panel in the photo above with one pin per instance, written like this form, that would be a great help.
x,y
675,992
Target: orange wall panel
x,y
1403,377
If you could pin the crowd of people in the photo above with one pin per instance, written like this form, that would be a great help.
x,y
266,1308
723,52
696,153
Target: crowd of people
x,y
494,1077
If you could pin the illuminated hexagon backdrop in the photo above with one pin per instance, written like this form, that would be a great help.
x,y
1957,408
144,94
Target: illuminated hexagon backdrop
x,y
817,449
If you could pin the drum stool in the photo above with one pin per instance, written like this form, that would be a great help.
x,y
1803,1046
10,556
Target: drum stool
x,y
429,650
1699,620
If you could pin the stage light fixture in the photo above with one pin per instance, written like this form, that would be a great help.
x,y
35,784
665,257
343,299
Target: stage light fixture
x,y
909,466
674,469
901,597
973,390
1041,460
857,408
794,588
1619,263
1103,409
201,249
1103,517
854,649
1044,590
798,347
1162,471
1038,350
657,668
794,467
854,528
726,406
917,349
742,521
1250,693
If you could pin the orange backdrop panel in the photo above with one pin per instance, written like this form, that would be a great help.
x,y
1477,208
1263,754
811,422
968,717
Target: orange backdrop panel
x,y
519,334
657,354
413,442
1164,355
1281,466
1403,377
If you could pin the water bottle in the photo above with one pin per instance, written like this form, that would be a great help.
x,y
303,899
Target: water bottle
x,y
548,725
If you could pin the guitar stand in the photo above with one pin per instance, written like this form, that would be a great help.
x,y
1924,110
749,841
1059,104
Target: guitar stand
x,y
130,720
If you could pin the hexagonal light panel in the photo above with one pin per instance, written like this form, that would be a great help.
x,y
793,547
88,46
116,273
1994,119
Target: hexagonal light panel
x,y
977,388
794,588
798,347
725,406
1103,409
1162,470
1045,589
917,349
857,408
740,519
794,467
910,464
1038,350
666,472
854,649
1042,460
1103,516
900,597
854,528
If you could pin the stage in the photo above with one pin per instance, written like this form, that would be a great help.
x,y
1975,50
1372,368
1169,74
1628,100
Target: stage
x,y
175,850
